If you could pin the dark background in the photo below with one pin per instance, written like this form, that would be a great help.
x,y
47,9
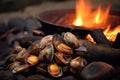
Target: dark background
x,y
25,8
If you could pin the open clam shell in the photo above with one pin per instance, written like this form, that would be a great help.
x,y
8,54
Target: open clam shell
x,y
60,45
32,59
20,68
61,59
77,63
55,70
47,53
45,40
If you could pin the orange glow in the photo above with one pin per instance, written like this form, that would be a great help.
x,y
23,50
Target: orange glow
x,y
89,37
88,18
111,34
92,19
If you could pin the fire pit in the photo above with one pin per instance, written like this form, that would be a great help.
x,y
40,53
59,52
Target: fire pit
x,y
67,45
64,20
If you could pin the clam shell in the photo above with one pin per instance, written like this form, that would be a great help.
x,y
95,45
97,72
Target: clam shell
x,y
60,58
32,59
70,39
77,63
45,40
55,70
47,53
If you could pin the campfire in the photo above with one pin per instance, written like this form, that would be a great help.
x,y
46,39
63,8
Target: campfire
x,y
81,43
98,18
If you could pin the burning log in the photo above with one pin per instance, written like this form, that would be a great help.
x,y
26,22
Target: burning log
x,y
101,53
99,37
116,44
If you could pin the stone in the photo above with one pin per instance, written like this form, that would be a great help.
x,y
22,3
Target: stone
x,y
17,22
97,71
31,24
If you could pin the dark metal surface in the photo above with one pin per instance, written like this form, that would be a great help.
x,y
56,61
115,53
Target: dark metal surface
x,y
49,19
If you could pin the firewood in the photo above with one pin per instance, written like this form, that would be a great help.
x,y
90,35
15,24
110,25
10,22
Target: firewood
x,y
99,37
101,53
116,43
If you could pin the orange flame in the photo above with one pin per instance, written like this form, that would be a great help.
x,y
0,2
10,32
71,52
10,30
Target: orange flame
x,y
111,34
88,18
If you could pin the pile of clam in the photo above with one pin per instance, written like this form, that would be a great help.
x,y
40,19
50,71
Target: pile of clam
x,y
53,54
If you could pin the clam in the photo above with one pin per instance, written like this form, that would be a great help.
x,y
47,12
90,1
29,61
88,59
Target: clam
x,y
45,40
60,58
77,63
22,55
47,53
17,46
60,45
20,68
41,68
13,65
81,50
11,57
17,67
55,70
70,39
32,59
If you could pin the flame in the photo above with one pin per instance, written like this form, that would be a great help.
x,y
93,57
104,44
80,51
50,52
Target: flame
x,y
88,18
111,34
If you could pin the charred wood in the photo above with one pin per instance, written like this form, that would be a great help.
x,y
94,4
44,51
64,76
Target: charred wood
x,y
101,53
99,37
116,44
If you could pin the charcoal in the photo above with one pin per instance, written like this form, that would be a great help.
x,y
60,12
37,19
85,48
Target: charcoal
x,y
99,37
101,53
25,42
17,22
22,37
31,24
97,71
116,43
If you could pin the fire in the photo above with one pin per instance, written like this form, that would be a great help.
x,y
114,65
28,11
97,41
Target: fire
x,y
111,34
89,18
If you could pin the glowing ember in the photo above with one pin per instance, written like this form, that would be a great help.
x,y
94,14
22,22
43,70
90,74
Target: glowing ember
x,y
89,37
88,18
